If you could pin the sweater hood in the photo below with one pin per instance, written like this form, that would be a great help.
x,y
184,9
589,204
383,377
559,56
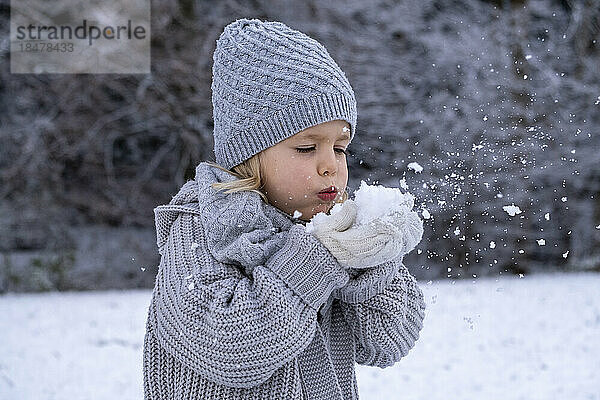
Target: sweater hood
x,y
232,222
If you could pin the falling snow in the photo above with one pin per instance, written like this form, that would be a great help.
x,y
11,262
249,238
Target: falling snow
x,y
403,184
415,167
512,210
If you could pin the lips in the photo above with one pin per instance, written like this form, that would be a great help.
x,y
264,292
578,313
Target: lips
x,y
329,189
328,194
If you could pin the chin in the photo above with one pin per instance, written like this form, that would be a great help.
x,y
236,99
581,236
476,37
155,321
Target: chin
x,y
323,207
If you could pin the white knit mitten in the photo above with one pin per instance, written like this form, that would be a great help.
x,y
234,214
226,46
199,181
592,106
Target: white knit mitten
x,y
377,241
351,245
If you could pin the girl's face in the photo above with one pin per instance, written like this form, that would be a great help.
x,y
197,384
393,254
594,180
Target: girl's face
x,y
295,170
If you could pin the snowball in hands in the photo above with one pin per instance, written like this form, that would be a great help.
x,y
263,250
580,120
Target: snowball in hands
x,y
384,227
351,245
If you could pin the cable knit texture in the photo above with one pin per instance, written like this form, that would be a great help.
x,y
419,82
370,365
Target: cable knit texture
x,y
270,82
248,305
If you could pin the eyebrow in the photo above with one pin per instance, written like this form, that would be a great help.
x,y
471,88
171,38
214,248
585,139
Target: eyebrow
x,y
315,136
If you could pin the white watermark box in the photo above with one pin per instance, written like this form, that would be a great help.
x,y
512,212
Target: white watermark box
x,y
76,36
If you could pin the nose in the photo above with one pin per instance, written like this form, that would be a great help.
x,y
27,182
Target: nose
x,y
327,163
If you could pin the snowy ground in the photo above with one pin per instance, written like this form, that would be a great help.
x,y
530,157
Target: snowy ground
x,y
502,338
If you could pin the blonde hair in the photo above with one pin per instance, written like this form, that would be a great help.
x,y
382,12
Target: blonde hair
x,y
249,178
248,174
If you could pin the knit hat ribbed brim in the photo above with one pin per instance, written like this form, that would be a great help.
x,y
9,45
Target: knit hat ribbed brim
x,y
269,83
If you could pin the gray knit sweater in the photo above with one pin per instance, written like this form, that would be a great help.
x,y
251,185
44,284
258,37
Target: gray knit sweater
x,y
248,305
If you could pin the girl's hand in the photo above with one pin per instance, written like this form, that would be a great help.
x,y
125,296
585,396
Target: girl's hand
x,y
354,246
378,241
340,221
362,246
409,229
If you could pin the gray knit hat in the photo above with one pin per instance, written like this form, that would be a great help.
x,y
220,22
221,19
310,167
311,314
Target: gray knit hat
x,y
269,83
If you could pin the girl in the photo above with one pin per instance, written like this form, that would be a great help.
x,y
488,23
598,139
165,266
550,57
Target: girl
x,y
247,303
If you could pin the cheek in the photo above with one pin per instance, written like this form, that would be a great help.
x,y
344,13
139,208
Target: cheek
x,y
343,167
344,176
284,175
296,168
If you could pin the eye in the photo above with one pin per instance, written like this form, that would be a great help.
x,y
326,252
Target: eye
x,y
308,149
